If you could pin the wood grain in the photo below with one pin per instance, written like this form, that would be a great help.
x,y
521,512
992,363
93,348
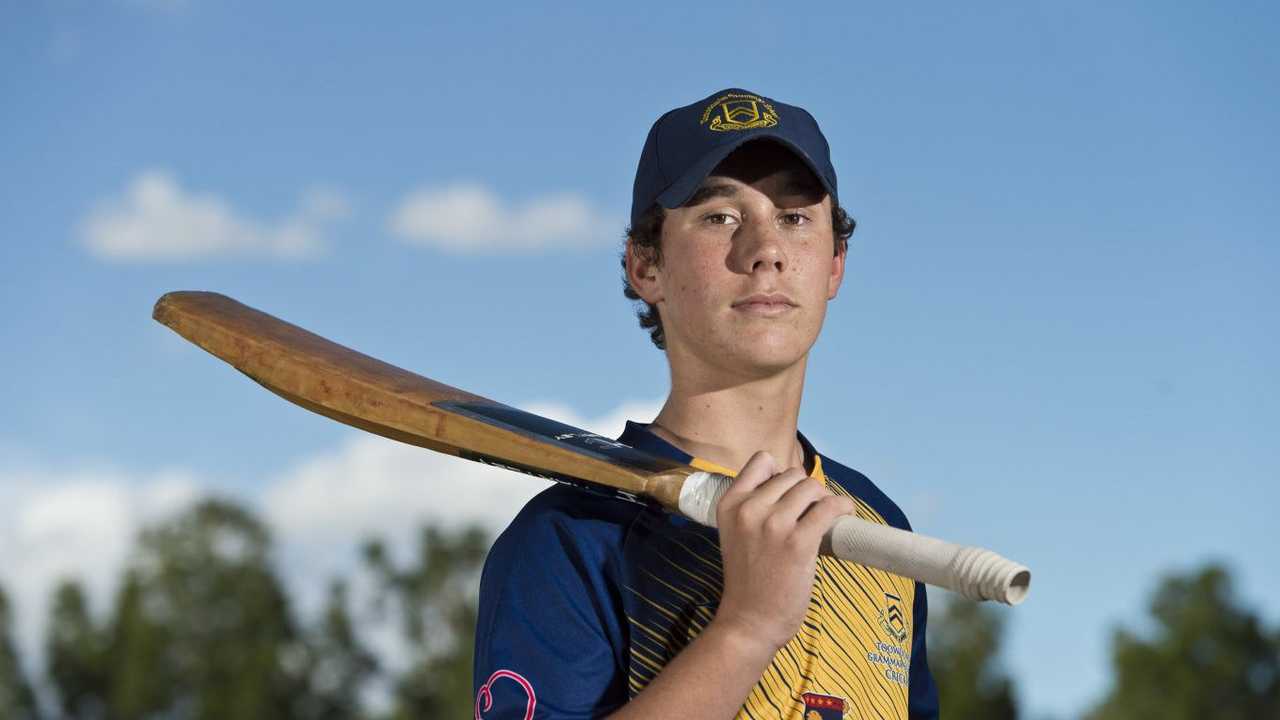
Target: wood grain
x,y
364,392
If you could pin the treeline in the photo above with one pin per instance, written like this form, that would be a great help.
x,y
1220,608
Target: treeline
x,y
202,627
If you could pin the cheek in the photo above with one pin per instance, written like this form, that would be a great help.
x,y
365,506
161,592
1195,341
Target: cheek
x,y
694,291
692,286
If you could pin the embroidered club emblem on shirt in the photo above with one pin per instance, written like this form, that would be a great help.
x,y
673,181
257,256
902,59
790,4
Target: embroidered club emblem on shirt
x,y
484,698
823,707
739,111
892,618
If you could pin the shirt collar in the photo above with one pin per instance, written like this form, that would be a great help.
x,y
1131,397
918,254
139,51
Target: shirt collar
x,y
640,437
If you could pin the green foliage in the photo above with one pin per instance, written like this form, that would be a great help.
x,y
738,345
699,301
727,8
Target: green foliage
x,y
338,665
964,648
1207,657
436,600
201,628
203,625
17,701
76,653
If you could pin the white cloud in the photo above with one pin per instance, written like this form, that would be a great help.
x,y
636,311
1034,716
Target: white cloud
x,y
156,220
58,524
470,218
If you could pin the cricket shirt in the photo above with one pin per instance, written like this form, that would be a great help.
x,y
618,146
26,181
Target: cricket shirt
x,y
585,598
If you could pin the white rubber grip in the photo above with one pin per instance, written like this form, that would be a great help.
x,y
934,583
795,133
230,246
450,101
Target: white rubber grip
x,y
972,572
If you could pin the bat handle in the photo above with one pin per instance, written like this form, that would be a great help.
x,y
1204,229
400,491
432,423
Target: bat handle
x,y
975,573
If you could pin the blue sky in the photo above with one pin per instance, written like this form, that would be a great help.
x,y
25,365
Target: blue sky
x,y
1056,338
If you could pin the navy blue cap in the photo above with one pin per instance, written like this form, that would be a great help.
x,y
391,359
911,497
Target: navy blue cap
x,y
687,143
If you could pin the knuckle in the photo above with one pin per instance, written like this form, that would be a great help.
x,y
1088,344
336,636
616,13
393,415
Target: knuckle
x,y
799,475
837,502
745,512
777,526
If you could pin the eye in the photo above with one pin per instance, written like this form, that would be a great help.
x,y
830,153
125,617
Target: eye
x,y
795,218
719,218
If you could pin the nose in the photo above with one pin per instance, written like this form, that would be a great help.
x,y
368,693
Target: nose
x,y
759,246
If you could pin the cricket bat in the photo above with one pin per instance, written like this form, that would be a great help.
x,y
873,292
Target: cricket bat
x,y
361,391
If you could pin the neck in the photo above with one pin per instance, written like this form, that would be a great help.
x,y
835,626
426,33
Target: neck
x,y
727,422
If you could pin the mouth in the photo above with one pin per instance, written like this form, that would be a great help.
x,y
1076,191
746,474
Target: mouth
x,y
764,304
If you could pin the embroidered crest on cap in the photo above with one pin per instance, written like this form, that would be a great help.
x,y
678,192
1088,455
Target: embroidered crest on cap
x,y
739,111
823,707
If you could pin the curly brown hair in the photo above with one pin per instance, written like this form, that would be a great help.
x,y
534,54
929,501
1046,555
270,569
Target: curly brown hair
x,y
646,237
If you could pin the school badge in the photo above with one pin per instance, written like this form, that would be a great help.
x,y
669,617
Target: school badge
x,y
823,707
893,620
739,111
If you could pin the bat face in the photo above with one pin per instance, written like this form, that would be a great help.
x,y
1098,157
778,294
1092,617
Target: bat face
x,y
355,389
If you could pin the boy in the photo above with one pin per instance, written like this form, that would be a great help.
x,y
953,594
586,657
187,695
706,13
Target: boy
x,y
593,607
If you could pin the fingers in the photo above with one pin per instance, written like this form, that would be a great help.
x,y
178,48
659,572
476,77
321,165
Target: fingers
x,y
752,494
822,515
759,469
800,497
773,501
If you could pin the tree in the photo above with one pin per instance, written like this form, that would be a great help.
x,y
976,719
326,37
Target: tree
x,y
436,599
17,701
1207,657
964,649
338,663
76,655
202,626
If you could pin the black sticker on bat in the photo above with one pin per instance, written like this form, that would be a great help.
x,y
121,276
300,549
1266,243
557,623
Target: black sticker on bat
x,y
576,482
550,431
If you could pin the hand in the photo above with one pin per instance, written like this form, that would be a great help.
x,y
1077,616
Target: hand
x,y
771,524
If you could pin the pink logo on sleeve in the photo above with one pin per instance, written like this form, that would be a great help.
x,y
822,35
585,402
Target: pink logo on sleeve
x,y
484,698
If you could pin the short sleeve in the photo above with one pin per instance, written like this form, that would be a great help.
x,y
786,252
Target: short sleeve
x,y
922,700
549,635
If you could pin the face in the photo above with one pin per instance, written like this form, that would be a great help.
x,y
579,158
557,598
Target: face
x,y
747,266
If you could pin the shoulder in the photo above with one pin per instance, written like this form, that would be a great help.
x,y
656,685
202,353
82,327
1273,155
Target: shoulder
x,y
564,524
861,487
560,508
561,558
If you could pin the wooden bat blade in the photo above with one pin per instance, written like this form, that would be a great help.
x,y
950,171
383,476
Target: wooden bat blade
x,y
352,388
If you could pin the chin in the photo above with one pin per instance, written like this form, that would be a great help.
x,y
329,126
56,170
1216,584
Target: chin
x,y
768,358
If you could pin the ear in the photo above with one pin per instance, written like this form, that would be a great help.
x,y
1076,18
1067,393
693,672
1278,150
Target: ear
x,y
642,273
837,273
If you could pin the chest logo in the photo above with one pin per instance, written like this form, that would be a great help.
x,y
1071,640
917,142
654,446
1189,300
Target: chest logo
x,y
893,619
739,111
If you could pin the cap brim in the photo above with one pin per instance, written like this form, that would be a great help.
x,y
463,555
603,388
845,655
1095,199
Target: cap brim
x,y
679,192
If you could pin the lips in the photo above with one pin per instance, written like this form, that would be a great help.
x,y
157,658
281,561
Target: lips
x,y
763,300
765,305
